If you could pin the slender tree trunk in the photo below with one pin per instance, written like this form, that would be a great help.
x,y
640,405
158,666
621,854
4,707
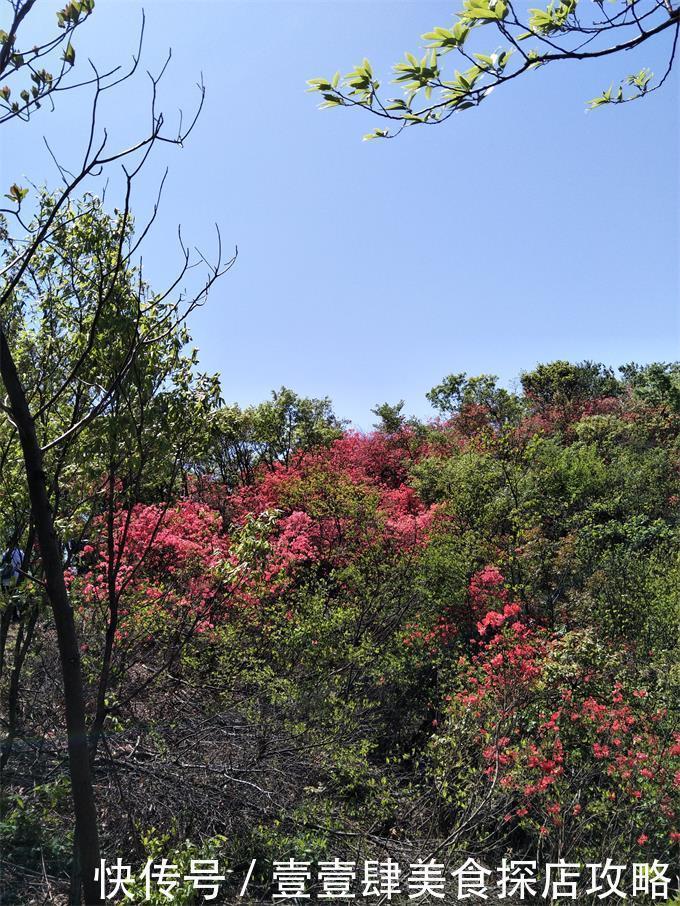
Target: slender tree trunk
x,y
21,646
112,624
5,621
69,650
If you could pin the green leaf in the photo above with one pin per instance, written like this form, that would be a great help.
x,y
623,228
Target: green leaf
x,y
379,133
16,193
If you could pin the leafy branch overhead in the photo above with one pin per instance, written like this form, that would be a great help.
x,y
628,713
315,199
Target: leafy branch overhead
x,y
24,81
493,43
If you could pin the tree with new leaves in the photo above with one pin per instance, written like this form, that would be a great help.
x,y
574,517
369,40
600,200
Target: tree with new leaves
x,y
153,422
496,41
277,431
391,418
563,383
40,248
25,82
458,392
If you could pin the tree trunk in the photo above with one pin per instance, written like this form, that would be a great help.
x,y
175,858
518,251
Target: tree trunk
x,y
21,646
69,650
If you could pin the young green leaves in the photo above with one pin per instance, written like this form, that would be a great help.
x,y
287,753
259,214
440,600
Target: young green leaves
x,y
639,82
559,32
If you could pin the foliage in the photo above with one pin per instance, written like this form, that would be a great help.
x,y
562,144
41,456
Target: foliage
x,y
276,431
463,630
494,42
30,830
27,82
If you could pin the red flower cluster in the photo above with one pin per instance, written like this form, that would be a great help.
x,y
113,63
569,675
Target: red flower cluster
x,y
521,678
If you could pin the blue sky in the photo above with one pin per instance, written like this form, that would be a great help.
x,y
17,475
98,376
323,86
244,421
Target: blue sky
x,y
520,232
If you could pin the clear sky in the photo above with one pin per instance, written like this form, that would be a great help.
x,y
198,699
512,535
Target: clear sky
x,y
520,232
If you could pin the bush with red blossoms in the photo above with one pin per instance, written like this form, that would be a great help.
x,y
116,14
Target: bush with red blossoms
x,y
555,732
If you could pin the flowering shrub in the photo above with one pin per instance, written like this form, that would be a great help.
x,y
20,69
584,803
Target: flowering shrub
x,y
159,566
572,754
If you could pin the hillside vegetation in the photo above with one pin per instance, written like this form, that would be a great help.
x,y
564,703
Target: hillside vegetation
x,y
304,641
